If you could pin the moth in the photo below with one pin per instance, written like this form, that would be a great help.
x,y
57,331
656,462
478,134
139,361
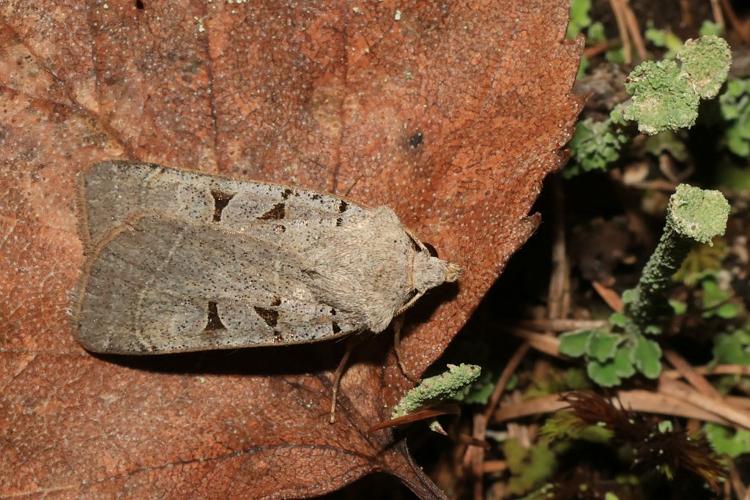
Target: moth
x,y
180,261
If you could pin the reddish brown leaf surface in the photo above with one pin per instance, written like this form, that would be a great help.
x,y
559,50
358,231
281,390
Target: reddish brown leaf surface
x,y
450,114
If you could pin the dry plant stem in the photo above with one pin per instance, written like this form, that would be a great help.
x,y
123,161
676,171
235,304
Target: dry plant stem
x,y
737,25
595,50
712,370
724,409
693,377
494,466
740,490
542,343
717,14
616,6
609,296
477,455
635,30
559,325
686,14
636,400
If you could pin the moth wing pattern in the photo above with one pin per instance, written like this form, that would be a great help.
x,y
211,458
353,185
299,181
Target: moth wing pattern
x,y
182,261
111,192
162,285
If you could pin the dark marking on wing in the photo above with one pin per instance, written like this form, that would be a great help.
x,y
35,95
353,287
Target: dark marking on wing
x,y
414,243
285,194
221,200
279,228
335,326
276,301
214,321
343,206
270,316
431,249
316,197
277,212
333,312
339,221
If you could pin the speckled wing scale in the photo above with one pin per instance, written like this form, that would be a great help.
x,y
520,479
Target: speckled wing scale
x,y
181,261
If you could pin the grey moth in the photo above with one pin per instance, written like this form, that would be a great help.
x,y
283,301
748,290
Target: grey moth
x,y
181,261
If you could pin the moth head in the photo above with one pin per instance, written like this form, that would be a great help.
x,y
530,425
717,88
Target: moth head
x,y
429,271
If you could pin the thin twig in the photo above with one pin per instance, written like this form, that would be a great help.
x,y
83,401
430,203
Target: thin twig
x,y
691,375
494,466
609,296
635,400
547,344
712,370
559,325
717,14
737,25
719,407
622,29
634,29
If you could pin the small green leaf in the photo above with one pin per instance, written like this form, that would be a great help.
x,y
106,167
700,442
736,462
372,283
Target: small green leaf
x,y
678,306
711,28
728,311
727,441
665,426
574,344
603,345
603,374
647,357
618,319
624,362
732,348
595,33
579,17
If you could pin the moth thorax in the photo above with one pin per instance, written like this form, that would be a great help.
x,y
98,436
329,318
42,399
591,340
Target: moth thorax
x,y
429,272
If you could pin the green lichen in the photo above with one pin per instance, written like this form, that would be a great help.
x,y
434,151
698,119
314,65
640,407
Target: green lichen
x,y
662,99
666,94
705,63
594,146
452,384
694,215
616,353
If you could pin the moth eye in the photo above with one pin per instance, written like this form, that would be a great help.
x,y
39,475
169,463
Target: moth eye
x,y
221,200
214,321
276,212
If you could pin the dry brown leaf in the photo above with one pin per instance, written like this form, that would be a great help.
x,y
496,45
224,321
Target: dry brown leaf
x,y
450,114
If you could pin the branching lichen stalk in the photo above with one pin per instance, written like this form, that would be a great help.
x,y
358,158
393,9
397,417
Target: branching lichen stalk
x,y
694,216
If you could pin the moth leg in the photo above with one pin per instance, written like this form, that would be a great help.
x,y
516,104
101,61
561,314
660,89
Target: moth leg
x,y
398,324
351,343
408,305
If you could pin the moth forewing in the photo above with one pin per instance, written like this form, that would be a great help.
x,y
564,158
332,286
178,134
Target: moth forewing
x,y
182,261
